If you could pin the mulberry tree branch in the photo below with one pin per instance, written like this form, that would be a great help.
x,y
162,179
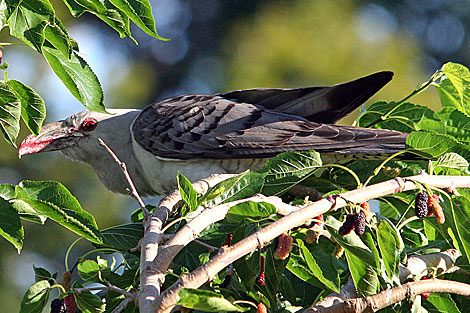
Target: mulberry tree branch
x,y
204,273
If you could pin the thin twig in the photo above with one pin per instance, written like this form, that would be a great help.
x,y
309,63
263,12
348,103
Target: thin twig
x,y
205,245
122,306
110,287
123,166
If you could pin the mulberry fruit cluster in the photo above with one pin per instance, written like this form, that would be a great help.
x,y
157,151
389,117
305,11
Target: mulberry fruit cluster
x,y
426,206
421,205
261,280
356,222
261,308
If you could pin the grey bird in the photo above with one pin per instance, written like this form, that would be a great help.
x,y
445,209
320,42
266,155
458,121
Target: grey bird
x,y
201,135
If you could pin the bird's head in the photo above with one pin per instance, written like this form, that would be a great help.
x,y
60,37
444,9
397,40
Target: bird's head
x,y
80,129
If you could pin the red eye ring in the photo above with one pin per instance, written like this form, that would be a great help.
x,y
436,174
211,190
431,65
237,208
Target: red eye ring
x,y
89,124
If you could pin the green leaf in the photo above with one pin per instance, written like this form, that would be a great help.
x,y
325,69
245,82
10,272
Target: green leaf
x,y
327,274
456,83
431,145
10,225
33,109
110,14
391,247
53,200
140,12
441,302
287,169
28,21
361,260
238,187
4,14
91,271
122,237
36,297
188,194
461,220
450,164
59,39
204,300
42,274
251,209
10,112
88,302
402,119
77,76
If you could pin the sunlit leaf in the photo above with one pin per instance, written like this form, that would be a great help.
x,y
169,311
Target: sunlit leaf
x,y
391,246
241,186
33,108
36,297
204,300
188,194
10,112
53,200
287,169
326,274
122,237
140,12
77,76
10,225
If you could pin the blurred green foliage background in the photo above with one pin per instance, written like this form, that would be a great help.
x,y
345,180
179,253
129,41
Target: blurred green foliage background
x,y
218,46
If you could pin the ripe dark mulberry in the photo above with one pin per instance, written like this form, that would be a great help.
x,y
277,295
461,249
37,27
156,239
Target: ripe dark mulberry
x,y
347,226
421,205
57,306
360,223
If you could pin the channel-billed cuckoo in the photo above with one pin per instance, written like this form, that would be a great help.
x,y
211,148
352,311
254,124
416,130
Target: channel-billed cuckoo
x,y
200,135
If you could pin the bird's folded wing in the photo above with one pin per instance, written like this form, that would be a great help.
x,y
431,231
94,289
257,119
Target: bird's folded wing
x,y
188,127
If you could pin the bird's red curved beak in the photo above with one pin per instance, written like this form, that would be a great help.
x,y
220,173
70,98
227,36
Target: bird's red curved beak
x,y
53,136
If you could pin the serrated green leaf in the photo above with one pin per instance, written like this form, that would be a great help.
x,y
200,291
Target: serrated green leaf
x,y
53,200
238,187
328,277
461,221
10,225
432,145
140,12
112,16
122,237
36,297
455,86
33,108
88,302
204,300
77,76
28,20
450,164
4,14
404,119
91,271
249,209
391,246
287,169
188,194
361,260
10,112
441,302
59,39
42,274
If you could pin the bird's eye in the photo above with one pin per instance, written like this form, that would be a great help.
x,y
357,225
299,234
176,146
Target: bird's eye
x,y
89,124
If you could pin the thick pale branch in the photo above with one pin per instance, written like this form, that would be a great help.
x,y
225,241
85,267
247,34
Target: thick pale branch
x,y
385,298
297,218
150,280
416,266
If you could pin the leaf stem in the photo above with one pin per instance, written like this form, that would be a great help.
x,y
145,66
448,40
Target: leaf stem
x,y
358,181
68,252
436,76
